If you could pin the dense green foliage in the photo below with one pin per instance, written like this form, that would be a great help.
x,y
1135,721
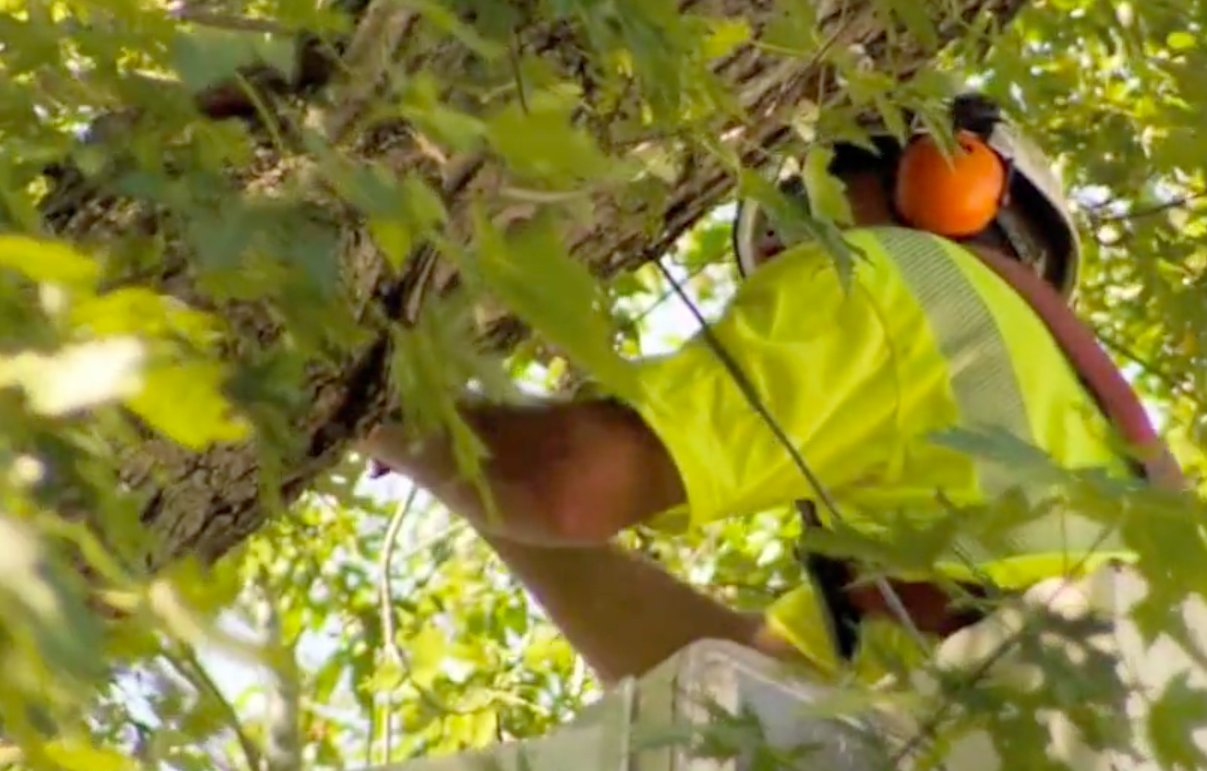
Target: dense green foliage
x,y
391,631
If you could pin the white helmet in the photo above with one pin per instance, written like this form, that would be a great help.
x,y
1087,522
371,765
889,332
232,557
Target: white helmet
x,y
1037,222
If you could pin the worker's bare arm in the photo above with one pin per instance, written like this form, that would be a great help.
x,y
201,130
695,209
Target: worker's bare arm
x,y
625,614
560,474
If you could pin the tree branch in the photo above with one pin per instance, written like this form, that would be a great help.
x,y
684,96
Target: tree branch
x,y
185,661
1148,211
234,23
1168,380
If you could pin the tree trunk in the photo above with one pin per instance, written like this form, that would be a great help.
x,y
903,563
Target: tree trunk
x,y
204,504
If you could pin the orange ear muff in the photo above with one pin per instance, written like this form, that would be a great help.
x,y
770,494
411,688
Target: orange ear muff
x,y
957,196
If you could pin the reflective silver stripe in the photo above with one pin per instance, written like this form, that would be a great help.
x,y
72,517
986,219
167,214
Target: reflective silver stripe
x,y
988,396
983,380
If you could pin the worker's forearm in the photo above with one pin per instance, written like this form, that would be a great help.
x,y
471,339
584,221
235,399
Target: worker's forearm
x,y
621,612
558,474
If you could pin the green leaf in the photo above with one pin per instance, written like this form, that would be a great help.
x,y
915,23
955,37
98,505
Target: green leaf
x,y
427,652
827,193
795,222
421,103
917,17
136,310
221,239
1173,721
48,636
1160,542
1181,41
310,250
419,212
792,28
327,678
542,145
442,17
47,261
206,56
79,757
483,730
532,272
724,36
1005,449
185,402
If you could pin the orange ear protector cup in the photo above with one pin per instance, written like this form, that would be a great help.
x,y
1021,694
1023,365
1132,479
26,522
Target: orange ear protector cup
x,y
955,196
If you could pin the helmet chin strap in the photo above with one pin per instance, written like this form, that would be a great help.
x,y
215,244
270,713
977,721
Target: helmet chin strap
x,y
1028,248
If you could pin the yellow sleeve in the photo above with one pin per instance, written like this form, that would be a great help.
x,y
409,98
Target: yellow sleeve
x,y
819,358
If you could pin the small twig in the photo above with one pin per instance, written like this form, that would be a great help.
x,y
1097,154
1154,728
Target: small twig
x,y
283,746
378,35
396,653
542,196
387,610
185,661
1148,211
1168,380
514,55
266,116
236,23
385,592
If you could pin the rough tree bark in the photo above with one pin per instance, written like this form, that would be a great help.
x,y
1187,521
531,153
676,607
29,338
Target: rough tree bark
x,y
204,504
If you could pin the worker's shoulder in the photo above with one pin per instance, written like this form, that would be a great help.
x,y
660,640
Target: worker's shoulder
x,y
904,281
944,280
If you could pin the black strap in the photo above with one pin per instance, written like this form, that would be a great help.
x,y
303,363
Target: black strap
x,y
831,577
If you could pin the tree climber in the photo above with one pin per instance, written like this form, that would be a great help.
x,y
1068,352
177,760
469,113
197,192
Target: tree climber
x,y
948,322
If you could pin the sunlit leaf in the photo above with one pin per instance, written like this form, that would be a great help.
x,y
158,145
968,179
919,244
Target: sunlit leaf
x,y
419,211
547,288
185,402
427,651
46,261
78,376
726,35
76,757
827,194
1180,41
131,310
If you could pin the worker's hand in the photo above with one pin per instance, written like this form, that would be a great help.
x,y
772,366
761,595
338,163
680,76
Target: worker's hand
x,y
390,449
374,448
377,469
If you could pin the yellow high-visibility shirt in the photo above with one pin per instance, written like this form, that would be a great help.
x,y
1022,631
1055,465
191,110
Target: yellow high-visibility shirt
x,y
923,338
